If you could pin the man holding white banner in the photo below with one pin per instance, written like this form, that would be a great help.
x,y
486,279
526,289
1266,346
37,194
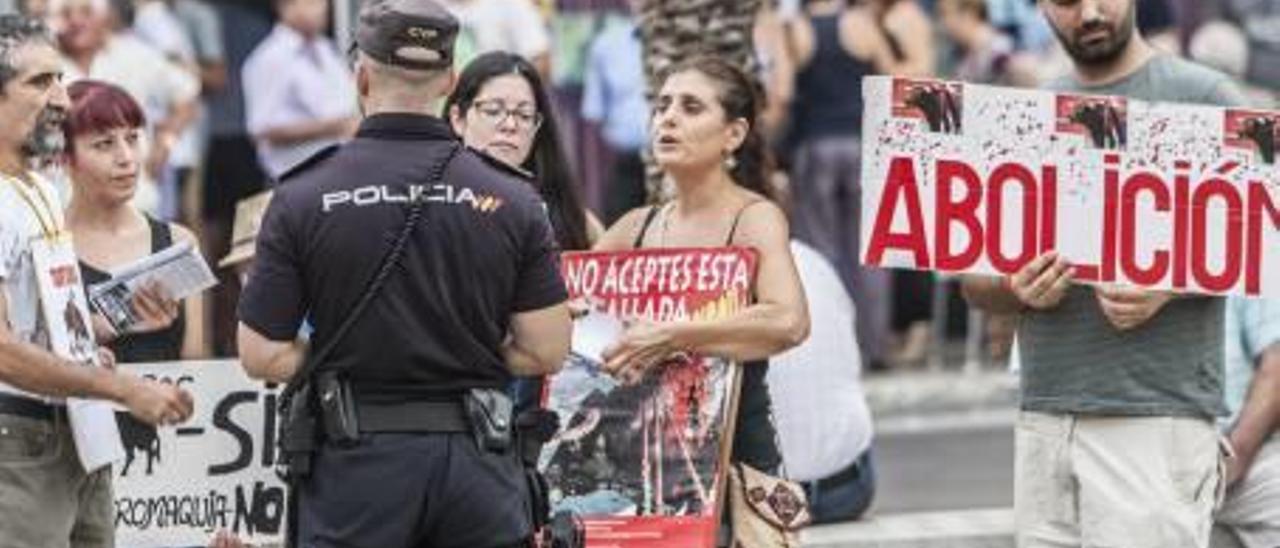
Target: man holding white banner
x,y
55,487
1116,444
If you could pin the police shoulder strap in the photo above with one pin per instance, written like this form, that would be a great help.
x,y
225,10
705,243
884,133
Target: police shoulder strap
x,y
416,210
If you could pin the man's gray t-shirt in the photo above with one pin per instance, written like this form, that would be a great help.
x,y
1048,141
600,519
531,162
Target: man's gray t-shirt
x,y
1075,361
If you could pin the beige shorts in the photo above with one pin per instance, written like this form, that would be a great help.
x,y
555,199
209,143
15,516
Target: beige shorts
x,y
1115,482
46,499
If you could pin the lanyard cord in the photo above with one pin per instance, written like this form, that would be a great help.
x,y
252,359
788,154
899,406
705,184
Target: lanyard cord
x,y
49,225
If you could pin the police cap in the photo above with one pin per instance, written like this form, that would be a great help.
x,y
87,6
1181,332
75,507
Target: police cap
x,y
411,34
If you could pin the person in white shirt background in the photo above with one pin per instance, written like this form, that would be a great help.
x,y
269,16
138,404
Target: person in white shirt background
x,y
819,407
513,26
298,90
95,45
156,23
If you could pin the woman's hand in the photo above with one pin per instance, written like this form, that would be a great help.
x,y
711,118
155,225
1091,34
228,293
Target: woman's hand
x,y
642,347
155,307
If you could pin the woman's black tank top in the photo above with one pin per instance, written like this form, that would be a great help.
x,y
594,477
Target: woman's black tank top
x,y
156,346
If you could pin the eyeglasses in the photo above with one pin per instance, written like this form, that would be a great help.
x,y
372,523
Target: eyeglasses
x,y
494,112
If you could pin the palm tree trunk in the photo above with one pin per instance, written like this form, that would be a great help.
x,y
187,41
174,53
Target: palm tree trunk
x,y
676,30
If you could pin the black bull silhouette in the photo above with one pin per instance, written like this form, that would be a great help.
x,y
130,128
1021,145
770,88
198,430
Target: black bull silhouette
x,y
137,436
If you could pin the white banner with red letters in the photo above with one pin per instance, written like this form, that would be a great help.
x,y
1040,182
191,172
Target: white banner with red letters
x,y
981,179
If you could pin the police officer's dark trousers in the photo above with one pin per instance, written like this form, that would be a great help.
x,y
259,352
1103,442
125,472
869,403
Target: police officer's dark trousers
x,y
420,490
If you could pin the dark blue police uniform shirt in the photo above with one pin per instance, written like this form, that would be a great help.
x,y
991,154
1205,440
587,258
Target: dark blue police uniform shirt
x,y
482,251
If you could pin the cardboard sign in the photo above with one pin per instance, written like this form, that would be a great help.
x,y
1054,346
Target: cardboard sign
x,y
63,306
179,485
643,464
980,179
64,317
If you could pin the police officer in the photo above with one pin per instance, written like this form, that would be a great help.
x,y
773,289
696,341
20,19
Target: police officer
x,y
475,298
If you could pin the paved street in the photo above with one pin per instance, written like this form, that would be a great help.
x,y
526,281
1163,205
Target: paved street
x,y
944,464
960,468
944,440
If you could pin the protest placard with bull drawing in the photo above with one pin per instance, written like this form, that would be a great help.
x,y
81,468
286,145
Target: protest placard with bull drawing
x,y
178,486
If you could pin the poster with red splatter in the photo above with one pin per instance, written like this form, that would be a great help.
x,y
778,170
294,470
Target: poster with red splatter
x,y
642,460
967,178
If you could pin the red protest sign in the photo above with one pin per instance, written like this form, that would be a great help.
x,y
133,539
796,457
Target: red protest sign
x,y
643,464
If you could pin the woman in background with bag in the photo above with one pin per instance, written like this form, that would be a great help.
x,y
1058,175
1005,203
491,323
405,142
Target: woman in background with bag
x,y
705,137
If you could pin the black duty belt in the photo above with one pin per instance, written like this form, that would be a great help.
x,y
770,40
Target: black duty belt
x,y
412,417
12,404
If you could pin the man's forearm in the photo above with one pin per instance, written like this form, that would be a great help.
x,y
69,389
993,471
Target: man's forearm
x,y
280,366
1260,416
29,368
989,293
527,363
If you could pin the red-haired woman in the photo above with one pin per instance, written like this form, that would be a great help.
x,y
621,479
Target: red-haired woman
x,y
103,131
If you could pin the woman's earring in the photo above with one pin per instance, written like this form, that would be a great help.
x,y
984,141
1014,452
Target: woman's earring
x,y
730,163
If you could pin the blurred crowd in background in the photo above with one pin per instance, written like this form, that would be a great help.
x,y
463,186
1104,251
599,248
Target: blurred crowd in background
x,y
236,92
222,124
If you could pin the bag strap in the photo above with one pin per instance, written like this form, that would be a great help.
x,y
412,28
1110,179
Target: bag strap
x,y
389,262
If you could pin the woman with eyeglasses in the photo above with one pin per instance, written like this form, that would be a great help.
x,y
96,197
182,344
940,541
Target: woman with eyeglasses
x,y
501,108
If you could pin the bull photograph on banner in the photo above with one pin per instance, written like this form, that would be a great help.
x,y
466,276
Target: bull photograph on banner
x,y
977,179
643,462
216,472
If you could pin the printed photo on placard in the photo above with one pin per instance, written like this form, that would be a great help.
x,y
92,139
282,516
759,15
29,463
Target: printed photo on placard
x,y
609,458
938,104
1252,130
64,308
1102,121
642,460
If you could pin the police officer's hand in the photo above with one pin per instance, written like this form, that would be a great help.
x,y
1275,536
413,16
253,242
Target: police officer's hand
x,y
154,402
642,346
155,307
1042,283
